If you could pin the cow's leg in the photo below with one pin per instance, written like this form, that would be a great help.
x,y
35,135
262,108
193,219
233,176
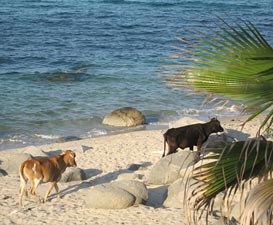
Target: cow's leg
x,y
165,140
22,190
52,184
199,145
172,149
57,190
34,184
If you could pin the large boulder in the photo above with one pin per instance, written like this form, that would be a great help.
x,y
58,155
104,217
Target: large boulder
x,y
176,194
10,164
217,141
108,196
136,188
117,195
73,174
129,175
179,193
124,117
172,167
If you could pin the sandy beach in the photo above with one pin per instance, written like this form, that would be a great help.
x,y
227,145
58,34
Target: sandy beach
x,y
104,159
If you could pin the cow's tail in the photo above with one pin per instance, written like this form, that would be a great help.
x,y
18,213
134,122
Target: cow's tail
x,y
165,140
21,171
23,182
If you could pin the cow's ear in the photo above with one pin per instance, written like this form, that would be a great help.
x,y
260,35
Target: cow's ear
x,y
73,154
64,152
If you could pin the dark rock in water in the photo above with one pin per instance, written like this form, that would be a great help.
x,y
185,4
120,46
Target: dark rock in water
x,y
124,117
68,138
76,74
59,77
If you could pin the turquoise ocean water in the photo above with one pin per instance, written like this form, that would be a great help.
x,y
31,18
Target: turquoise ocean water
x,y
66,64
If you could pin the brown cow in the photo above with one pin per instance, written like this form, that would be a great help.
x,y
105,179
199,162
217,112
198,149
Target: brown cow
x,y
43,170
191,135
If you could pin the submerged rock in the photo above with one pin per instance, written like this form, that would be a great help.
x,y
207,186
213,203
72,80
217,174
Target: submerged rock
x,y
67,138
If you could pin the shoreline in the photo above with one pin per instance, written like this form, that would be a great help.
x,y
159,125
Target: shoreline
x,y
104,130
104,159
77,131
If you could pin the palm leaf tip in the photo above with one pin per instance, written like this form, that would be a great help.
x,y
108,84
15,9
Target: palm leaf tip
x,y
235,61
259,204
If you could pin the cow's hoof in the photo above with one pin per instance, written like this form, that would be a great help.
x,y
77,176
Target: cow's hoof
x,y
41,200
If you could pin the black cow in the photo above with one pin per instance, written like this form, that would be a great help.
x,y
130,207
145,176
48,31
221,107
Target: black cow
x,y
191,135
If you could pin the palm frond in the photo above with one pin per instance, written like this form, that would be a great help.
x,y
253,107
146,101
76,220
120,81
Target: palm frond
x,y
235,61
231,167
258,207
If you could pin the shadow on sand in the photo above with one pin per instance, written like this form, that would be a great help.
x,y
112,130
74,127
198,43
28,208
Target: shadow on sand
x,y
107,178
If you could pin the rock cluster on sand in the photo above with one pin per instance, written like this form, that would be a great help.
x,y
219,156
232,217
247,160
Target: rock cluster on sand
x,y
170,168
120,171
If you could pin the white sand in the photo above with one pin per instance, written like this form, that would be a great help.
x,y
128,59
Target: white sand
x,y
105,159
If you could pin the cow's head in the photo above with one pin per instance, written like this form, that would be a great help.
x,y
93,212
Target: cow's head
x,y
215,125
69,157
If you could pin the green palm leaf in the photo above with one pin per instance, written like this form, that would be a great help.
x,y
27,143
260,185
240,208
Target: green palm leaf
x,y
259,204
236,61
231,167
